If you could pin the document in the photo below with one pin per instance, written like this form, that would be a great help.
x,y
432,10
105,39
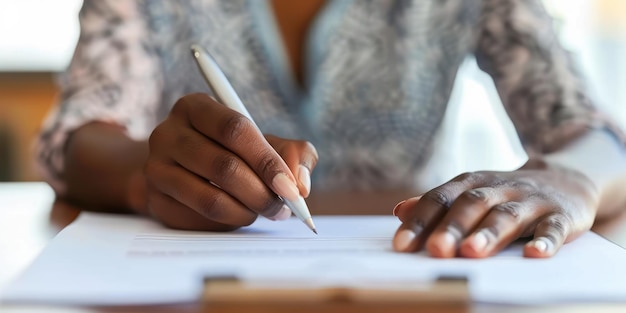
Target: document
x,y
105,259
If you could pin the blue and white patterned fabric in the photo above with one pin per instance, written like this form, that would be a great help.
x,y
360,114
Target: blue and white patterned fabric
x,y
378,77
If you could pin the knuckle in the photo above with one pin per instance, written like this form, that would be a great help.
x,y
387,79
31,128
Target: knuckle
x,y
157,136
226,165
540,196
185,105
475,196
525,185
182,105
187,142
211,206
558,225
439,197
268,165
304,145
463,177
512,209
301,147
472,177
233,128
158,132
287,147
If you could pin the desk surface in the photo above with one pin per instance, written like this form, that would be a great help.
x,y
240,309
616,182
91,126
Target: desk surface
x,y
29,219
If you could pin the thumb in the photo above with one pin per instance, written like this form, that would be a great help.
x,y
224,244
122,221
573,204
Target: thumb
x,y
301,158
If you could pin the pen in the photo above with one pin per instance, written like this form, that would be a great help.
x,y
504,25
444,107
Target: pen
x,y
224,92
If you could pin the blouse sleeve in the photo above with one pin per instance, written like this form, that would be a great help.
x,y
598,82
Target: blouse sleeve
x,y
114,77
542,91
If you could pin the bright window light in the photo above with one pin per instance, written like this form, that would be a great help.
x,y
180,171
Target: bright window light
x,y
37,35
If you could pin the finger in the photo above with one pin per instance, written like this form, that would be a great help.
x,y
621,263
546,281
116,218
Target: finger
x,y
304,180
307,162
205,158
419,216
201,196
464,214
174,214
406,236
403,209
550,235
503,224
301,158
239,134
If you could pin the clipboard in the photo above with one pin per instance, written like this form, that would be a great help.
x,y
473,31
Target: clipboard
x,y
445,294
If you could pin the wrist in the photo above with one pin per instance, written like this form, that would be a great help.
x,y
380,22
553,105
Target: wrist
x,y
565,173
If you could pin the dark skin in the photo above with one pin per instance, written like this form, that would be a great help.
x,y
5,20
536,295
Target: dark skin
x,y
174,178
478,214
293,19
116,158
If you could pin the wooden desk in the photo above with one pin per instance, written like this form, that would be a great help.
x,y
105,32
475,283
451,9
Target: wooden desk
x,y
25,99
29,218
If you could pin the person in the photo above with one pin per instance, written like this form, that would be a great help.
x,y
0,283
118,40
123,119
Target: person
x,y
360,86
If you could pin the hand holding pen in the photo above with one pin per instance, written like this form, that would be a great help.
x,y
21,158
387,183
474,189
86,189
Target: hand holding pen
x,y
210,168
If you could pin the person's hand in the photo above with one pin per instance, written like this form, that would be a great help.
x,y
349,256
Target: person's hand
x,y
476,215
210,168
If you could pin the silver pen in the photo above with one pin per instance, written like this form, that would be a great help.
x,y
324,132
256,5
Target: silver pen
x,y
225,94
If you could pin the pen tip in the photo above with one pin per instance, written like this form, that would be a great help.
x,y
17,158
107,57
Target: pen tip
x,y
309,223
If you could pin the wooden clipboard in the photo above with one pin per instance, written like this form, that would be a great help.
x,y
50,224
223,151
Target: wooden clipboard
x,y
446,294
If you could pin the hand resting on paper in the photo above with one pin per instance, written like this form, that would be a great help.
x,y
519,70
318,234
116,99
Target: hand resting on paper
x,y
477,214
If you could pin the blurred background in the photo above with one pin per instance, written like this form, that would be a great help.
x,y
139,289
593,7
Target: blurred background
x,y
37,38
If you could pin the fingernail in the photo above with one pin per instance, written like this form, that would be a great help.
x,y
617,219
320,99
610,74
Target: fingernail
x,y
540,245
404,240
305,178
285,213
479,241
395,208
449,239
285,187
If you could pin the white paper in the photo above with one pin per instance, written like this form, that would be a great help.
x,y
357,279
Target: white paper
x,y
109,259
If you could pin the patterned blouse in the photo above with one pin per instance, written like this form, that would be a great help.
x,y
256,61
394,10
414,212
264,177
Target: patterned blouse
x,y
379,77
